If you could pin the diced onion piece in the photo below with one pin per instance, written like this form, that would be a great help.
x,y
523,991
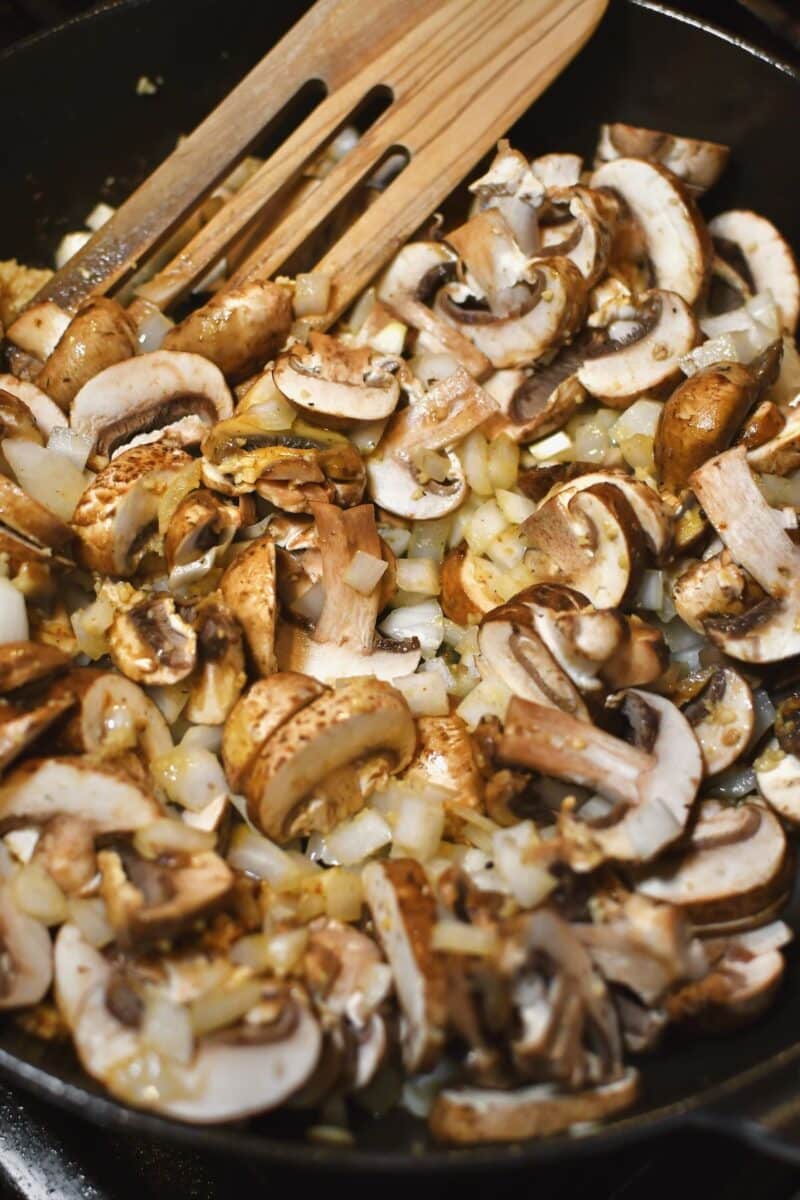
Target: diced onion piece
x,y
419,575
429,464
223,1005
390,339
490,698
100,214
74,446
258,856
425,693
267,402
366,435
457,937
764,714
311,603
36,893
251,951
651,591
589,432
423,621
508,550
167,1029
503,462
190,775
396,537
22,843
364,572
418,826
431,368
285,950
485,524
514,507
641,418
69,246
311,294
13,614
92,919
170,699
437,666
186,480
552,447
152,328
530,883
361,310
779,490
356,839
344,894
168,836
46,476
474,456
207,736
429,539
725,347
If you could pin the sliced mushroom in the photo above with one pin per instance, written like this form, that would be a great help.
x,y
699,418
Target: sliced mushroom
x,y
330,379
467,590
778,778
445,759
65,849
151,642
701,418
636,347
201,523
601,646
115,518
403,910
768,259
712,588
266,705
516,190
248,589
112,717
473,1115
652,515
309,772
39,328
779,454
735,865
722,717
21,725
22,663
100,334
30,520
746,971
164,393
754,535
656,785
697,163
587,237
237,330
533,405
106,798
558,170
16,421
47,415
221,672
677,244
26,955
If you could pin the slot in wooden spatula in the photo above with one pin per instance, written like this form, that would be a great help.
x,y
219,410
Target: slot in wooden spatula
x,y
458,72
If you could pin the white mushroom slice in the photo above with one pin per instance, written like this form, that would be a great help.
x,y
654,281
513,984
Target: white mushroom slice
x,y
39,329
513,649
107,799
222,675
248,588
296,650
306,776
418,270
100,334
657,786
330,379
722,718
237,330
557,170
736,863
697,163
511,187
550,315
470,1115
404,913
113,716
587,238
151,391
26,955
756,539
713,587
639,349
45,412
778,779
768,258
200,522
119,508
647,506
151,642
678,245
232,1075
533,404
496,268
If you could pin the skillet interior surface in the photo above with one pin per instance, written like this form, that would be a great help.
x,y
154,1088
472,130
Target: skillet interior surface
x,y
80,132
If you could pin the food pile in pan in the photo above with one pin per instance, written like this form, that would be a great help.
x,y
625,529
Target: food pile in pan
x,y
406,712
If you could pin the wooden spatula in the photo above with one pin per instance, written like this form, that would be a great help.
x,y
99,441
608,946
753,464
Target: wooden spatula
x,y
459,73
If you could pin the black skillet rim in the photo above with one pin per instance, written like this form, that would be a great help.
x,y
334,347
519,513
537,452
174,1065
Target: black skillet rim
x,y
697,1109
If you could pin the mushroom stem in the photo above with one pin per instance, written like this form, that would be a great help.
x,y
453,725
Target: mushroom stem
x,y
348,617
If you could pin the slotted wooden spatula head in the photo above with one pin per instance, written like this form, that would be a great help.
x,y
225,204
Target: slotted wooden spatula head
x,y
457,73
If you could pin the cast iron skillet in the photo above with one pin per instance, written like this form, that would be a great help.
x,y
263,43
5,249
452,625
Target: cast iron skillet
x,y
75,130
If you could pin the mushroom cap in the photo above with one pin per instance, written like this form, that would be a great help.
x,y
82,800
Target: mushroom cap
x,y
248,588
677,242
106,798
151,642
769,259
468,1115
27,955
149,392
237,330
363,720
265,706
44,411
773,444
698,164
120,505
100,334
331,379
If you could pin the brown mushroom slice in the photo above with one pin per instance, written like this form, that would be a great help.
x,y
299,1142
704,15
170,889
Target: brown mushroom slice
x,y
471,1115
99,335
330,379
651,513
736,863
403,910
237,330
602,646
153,394
21,726
467,590
496,268
418,270
535,404
768,258
201,522
31,520
638,348
306,775
517,191
248,588
39,328
28,662
147,900
65,849
117,514
107,799
551,315
445,759
711,588
45,412
754,535
114,715
16,422
701,418
723,718
591,226
737,990
265,706
696,163
151,642
678,245
221,674
233,1074
513,649
657,786
588,539
26,955
778,455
